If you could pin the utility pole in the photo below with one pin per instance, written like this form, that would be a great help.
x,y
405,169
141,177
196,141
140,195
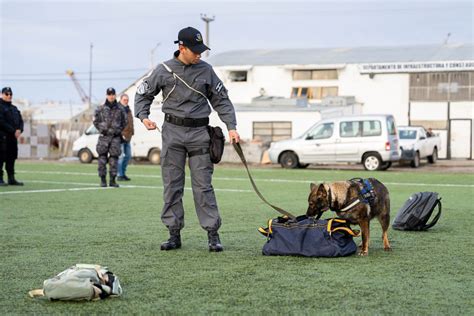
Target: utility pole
x,y
207,20
152,55
90,77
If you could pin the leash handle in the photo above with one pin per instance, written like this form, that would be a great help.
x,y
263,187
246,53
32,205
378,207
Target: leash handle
x,y
239,151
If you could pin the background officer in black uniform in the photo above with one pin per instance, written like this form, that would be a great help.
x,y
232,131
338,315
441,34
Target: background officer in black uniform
x,y
110,120
187,84
11,127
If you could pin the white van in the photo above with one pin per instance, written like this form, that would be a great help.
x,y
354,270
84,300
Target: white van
x,y
145,144
368,139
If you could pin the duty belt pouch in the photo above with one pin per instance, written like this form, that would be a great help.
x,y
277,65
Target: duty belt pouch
x,y
309,237
216,146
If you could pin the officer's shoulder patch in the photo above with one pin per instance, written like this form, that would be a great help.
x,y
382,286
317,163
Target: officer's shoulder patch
x,y
143,87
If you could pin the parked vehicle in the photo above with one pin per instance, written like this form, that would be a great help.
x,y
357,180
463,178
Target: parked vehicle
x,y
368,139
145,144
416,144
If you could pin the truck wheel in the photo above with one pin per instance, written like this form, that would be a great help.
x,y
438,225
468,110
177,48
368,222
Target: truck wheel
x,y
289,160
386,165
372,161
434,157
85,155
416,161
154,156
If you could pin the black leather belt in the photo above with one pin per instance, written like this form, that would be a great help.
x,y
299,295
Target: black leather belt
x,y
186,122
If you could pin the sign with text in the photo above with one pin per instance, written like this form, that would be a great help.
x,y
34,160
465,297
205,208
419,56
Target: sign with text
x,y
432,66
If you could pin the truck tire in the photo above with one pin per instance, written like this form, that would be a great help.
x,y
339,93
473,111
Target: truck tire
x,y
289,160
434,156
154,156
85,155
386,165
415,163
372,161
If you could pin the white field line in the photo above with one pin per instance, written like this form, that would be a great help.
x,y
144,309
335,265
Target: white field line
x,y
258,180
99,188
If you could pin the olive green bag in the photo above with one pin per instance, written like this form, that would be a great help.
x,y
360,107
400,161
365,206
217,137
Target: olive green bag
x,y
80,282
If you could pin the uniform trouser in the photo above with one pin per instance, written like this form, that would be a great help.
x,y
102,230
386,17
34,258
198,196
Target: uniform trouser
x,y
108,148
8,155
124,159
177,142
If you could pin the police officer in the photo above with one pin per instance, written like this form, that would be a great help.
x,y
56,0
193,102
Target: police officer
x,y
11,127
110,120
184,81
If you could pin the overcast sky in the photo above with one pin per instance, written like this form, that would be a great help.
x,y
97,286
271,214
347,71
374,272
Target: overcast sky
x,y
40,40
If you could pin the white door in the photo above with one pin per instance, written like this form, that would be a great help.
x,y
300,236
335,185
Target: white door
x,y
460,138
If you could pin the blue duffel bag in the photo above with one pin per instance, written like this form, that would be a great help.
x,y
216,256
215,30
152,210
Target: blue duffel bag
x,y
309,237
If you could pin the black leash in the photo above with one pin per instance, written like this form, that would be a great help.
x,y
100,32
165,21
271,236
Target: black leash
x,y
239,151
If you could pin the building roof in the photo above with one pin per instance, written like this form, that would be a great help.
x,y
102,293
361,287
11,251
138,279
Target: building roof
x,y
359,55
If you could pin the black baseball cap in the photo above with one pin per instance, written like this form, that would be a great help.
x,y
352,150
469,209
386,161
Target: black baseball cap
x,y
192,38
110,91
7,90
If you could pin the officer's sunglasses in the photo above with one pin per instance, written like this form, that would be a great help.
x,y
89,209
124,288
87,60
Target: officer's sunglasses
x,y
8,94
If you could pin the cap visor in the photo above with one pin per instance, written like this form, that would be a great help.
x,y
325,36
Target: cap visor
x,y
199,49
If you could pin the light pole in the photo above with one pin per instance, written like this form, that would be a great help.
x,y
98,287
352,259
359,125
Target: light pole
x,y
90,76
152,55
207,20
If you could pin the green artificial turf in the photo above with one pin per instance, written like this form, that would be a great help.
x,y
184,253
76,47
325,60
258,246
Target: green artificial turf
x,y
44,232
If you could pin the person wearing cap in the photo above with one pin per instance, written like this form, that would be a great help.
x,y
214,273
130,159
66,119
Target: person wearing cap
x,y
11,127
110,120
127,134
187,83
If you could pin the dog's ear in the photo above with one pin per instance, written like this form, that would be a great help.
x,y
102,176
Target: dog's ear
x,y
322,191
312,186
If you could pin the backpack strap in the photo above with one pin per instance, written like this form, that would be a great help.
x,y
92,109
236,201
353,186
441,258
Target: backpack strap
x,y
354,233
436,218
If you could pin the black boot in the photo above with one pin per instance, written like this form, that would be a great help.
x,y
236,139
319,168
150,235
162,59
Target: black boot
x,y
12,180
174,242
103,182
112,183
214,241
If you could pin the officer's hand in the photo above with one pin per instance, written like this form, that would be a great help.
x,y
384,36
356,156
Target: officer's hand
x,y
234,137
17,133
149,124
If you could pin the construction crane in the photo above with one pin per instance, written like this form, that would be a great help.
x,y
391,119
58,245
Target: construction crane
x,y
79,89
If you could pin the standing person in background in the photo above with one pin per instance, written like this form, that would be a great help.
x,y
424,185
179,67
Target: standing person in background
x,y
127,134
11,127
110,120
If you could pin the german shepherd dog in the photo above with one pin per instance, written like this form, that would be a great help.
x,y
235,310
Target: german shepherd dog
x,y
338,195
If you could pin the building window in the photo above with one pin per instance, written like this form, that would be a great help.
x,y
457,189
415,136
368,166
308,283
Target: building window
x,y
315,74
271,131
317,93
442,86
237,76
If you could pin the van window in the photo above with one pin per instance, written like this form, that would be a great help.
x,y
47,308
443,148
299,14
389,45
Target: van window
x,y
350,129
392,130
371,128
321,131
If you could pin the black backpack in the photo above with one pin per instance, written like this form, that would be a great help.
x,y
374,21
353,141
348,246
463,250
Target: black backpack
x,y
216,147
416,212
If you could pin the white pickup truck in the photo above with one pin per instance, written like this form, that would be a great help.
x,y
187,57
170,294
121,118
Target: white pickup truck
x,y
416,144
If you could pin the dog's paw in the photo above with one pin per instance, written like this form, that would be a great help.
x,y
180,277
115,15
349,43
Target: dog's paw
x,y
363,253
387,248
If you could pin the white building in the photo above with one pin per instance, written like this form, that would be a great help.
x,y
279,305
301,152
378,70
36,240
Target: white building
x,y
431,86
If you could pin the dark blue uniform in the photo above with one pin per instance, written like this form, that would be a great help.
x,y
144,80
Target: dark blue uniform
x,y
10,121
